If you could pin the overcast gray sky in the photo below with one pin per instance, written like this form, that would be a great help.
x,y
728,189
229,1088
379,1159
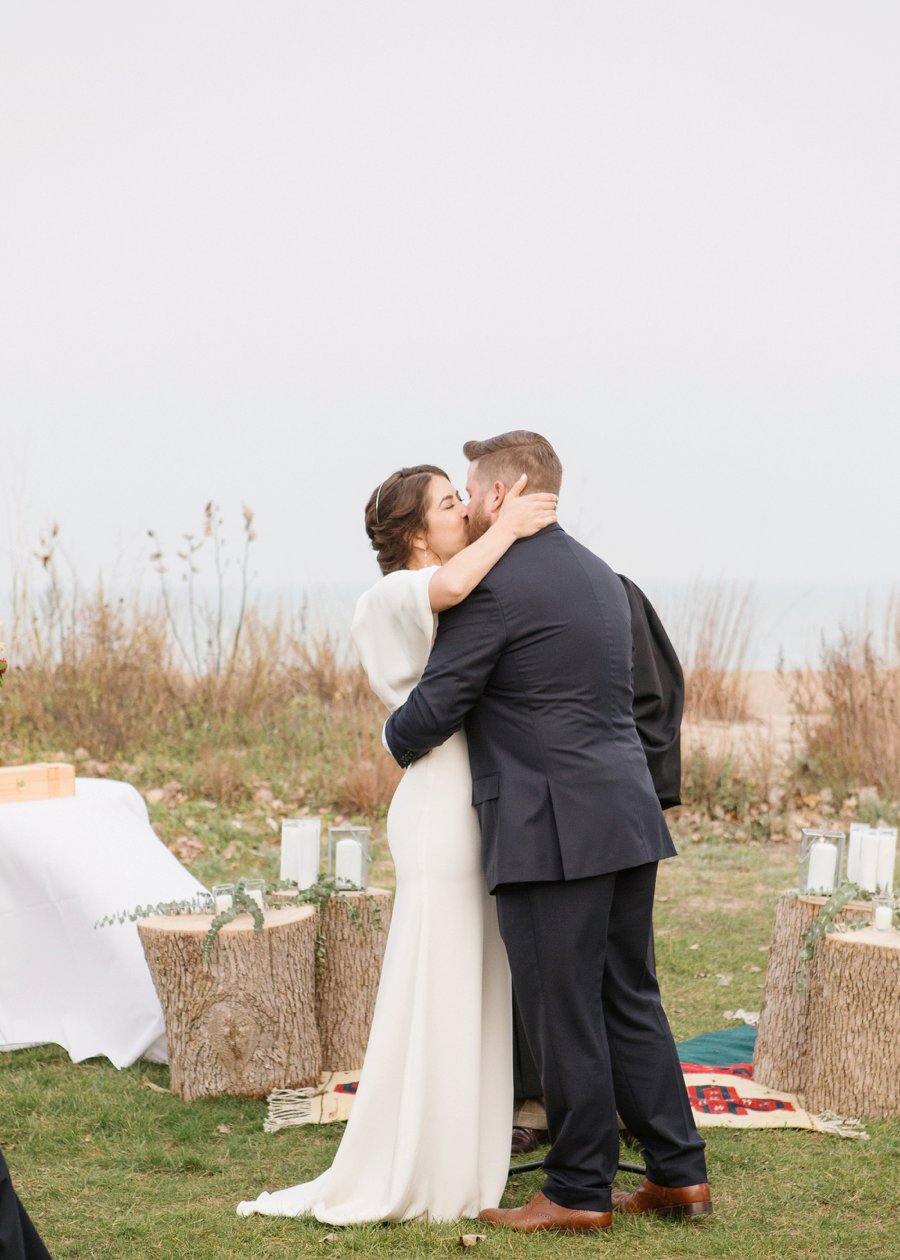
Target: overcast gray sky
x,y
269,251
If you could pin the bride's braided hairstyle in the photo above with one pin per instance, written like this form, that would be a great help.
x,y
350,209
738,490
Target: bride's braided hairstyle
x,y
396,511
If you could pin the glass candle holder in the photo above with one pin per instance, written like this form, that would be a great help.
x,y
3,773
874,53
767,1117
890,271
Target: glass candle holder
x,y
883,913
222,897
255,889
348,856
821,860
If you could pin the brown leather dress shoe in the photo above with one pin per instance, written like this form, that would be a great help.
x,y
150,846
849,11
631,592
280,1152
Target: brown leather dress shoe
x,y
543,1213
526,1140
690,1202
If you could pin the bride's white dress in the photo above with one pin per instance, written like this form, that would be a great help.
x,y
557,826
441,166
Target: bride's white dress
x,y
430,1127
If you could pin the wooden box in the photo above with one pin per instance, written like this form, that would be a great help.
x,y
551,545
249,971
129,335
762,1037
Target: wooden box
x,y
40,781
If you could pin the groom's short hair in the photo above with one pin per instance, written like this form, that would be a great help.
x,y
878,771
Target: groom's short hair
x,y
508,455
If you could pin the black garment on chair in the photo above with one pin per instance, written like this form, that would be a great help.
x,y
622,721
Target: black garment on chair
x,y
19,1239
658,695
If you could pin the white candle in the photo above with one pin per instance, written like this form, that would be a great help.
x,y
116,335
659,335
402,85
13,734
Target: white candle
x,y
856,831
255,894
224,901
348,863
867,873
883,917
887,856
308,856
290,846
300,850
822,866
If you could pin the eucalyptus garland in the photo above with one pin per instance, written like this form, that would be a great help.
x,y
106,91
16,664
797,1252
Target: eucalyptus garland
x,y
317,896
240,904
825,922
198,904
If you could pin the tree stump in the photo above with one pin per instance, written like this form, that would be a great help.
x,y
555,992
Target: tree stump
x,y
779,1057
853,1026
244,1023
354,928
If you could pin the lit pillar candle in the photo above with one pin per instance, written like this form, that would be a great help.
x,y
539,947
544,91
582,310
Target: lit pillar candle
x,y
822,866
867,873
348,863
887,856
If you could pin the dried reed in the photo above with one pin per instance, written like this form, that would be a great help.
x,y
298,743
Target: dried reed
x,y
848,714
712,633
286,707
262,699
177,687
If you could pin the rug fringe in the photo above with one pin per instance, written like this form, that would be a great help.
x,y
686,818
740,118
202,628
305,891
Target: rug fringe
x,y
305,1106
288,1106
840,1126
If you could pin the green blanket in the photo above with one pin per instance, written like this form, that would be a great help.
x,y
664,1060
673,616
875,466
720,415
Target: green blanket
x,y
729,1045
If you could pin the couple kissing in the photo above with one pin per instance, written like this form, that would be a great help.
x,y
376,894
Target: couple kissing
x,y
525,835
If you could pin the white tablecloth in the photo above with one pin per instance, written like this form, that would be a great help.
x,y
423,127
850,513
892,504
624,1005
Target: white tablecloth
x,y
63,865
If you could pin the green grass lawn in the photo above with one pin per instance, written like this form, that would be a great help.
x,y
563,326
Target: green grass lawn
x,y
108,1167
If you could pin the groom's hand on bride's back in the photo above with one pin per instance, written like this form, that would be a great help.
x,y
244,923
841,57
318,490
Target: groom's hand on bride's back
x,y
470,639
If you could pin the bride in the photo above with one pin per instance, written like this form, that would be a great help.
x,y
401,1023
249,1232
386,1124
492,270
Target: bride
x,y
429,1132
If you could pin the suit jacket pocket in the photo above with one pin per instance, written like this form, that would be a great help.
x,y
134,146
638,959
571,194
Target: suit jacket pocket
x,y
486,788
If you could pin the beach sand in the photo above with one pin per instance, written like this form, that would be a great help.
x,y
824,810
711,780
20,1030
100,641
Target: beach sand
x,y
767,730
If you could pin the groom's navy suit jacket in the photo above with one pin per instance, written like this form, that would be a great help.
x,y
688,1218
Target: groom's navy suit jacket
x,y
537,663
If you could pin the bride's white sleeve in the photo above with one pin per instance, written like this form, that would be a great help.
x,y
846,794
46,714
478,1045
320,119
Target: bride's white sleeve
x,y
393,630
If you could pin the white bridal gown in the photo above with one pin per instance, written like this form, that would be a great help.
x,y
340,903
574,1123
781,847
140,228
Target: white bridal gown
x,y
430,1127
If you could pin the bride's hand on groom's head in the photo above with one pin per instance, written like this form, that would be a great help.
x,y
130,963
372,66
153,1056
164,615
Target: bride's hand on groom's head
x,y
524,513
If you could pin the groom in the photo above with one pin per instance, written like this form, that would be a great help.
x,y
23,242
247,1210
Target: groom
x,y
537,663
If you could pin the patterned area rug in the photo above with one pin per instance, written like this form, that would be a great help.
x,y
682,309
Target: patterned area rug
x,y
718,1073
330,1100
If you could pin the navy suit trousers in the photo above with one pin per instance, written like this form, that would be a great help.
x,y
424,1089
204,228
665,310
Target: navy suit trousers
x,y
594,1021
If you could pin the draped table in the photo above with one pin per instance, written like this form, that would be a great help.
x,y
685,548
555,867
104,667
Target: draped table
x,y
64,864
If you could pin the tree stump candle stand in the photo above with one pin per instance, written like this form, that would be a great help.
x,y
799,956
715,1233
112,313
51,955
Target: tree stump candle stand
x,y
265,1012
243,1023
353,928
837,1042
778,1060
853,1026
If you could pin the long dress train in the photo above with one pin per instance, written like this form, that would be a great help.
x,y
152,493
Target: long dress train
x,y
429,1132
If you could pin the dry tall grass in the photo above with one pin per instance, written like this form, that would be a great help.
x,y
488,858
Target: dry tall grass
x,y
848,714
182,687
712,633
109,682
100,678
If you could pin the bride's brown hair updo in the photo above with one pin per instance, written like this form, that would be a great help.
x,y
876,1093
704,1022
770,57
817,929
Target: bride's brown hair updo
x,y
396,510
